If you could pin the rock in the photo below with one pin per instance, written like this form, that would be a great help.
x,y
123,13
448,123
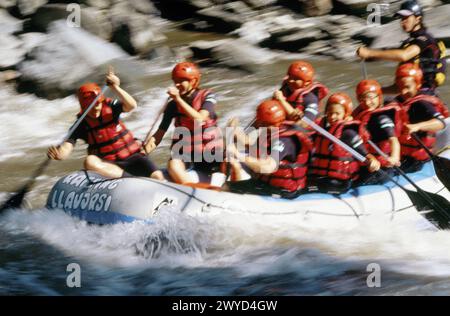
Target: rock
x,y
293,36
316,7
100,4
11,53
136,33
185,9
49,69
257,4
93,20
232,53
5,4
28,7
144,6
8,23
225,18
253,32
31,40
9,75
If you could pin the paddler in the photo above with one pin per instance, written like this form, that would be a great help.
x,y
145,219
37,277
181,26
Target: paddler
x,y
280,164
420,48
420,113
112,149
196,135
300,94
383,125
332,168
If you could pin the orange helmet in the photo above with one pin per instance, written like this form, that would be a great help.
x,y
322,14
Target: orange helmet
x,y
342,99
366,86
188,71
301,70
87,93
409,70
270,112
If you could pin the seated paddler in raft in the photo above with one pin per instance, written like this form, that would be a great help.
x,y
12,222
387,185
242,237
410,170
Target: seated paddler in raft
x,y
197,145
300,94
421,114
384,127
112,150
332,169
278,164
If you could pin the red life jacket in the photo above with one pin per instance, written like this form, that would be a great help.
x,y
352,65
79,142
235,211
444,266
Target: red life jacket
x,y
209,138
410,147
108,138
364,116
331,160
296,97
290,176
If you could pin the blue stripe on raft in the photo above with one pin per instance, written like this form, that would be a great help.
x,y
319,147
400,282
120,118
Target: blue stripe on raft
x,y
104,218
426,172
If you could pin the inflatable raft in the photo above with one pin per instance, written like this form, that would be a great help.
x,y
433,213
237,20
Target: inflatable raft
x,y
98,200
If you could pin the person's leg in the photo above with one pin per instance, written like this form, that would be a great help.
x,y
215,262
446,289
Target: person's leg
x,y
141,166
177,171
106,169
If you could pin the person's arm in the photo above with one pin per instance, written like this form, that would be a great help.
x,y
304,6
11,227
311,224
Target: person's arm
x,y
352,139
128,102
394,158
153,141
201,115
290,110
399,55
60,152
433,125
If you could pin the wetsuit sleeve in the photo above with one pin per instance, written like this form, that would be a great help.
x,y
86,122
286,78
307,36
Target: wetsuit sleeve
x,y
117,108
386,127
286,148
79,133
352,139
209,105
168,116
424,111
311,104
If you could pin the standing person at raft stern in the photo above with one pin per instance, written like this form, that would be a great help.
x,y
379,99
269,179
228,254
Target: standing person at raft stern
x,y
420,48
332,168
112,150
193,110
300,94
280,165
420,113
384,126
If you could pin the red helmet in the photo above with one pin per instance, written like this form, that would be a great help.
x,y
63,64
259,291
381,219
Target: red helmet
x,y
270,112
366,86
188,71
409,70
87,93
301,70
342,99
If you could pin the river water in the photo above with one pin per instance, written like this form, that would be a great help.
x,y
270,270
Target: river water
x,y
182,255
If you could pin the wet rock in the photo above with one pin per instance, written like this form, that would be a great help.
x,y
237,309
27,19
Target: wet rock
x,y
144,6
49,69
136,33
257,4
12,51
8,23
9,75
28,7
231,53
184,9
225,18
316,7
92,19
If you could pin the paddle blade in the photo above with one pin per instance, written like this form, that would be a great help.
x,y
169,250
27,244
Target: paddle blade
x,y
442,167
433,207
14,201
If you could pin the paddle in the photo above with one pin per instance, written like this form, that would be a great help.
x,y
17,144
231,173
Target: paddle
x,y
16,200
438,206
228,166
161,111
441,164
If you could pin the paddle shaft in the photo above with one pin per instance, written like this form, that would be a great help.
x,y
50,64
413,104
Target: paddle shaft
x,y
417,139
161,111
